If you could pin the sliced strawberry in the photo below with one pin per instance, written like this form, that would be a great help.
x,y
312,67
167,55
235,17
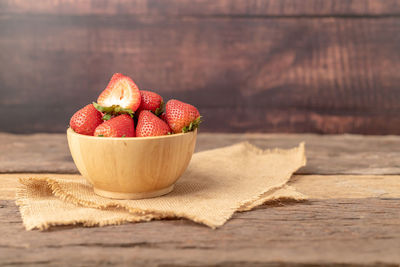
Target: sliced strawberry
x,y
121,91
85,120
151,125
120,126
151,101
182,117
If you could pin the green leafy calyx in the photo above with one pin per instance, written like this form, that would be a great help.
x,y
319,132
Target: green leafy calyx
x,y
160,109
192,126
114,110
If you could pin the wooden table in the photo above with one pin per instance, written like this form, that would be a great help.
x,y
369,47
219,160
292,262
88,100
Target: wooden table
x,y
352,217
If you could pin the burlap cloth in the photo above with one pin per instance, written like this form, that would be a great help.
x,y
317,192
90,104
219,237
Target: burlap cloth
x,y
216,184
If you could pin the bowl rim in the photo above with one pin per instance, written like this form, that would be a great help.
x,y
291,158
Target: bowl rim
x,y
72,132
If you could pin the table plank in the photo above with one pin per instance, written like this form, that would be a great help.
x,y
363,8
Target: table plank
x,y
326,154
350,219
325,73
313,186
334,231
206,8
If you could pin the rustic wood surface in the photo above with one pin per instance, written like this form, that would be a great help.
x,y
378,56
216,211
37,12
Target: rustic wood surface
x,y
326,154
205,7
349,219
327,232
322,66
314,186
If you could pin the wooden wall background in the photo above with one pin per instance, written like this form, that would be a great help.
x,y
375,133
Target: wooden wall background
x,y
325,66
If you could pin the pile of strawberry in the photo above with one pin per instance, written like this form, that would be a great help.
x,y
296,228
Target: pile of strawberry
x,y
122,105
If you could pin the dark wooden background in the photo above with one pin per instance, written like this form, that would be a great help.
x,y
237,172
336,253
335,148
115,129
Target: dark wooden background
x,y
325,66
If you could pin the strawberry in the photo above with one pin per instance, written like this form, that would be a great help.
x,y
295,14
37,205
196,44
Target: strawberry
x,y
114,110
182,117
163,116
120,126
121,91
151,125
151,101
85,120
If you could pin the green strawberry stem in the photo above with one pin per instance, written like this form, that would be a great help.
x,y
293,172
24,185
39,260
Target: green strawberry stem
x,y
160,109
192,126
106,117
114,110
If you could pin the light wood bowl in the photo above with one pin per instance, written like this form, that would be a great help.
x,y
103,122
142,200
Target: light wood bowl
x,y
134,167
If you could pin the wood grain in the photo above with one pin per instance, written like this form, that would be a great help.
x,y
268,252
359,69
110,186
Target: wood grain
x,y
144,167
326,154
204,8
313,186
350,220
336,232
309,67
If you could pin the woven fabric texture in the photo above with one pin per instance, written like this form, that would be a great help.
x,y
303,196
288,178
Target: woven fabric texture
x,y
216,184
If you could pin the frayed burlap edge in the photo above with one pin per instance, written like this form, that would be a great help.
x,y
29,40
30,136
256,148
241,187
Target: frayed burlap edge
x,y
261,197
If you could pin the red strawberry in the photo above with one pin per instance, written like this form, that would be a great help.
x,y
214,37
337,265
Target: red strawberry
x,y
182,117
150,101
151,125
120,126
163,116
122,91
85,120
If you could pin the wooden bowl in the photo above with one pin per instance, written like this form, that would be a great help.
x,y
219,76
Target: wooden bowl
x,y
134,167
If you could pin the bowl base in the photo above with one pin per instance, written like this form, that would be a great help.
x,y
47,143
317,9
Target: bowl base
x,y
119,195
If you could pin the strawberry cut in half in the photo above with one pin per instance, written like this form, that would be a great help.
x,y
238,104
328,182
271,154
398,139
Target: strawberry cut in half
x,y
85,120
151,101
151,125
120,126
120,91
182,117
